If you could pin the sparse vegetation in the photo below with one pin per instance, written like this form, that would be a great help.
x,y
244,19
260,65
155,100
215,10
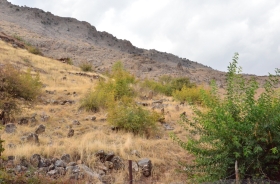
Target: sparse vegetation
x,y
32,49
16,84
190,95
238,129
128,116
167,84
86,67
116,95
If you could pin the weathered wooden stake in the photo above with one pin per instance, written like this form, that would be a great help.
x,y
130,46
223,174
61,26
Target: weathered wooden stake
x,y
130,171
236,173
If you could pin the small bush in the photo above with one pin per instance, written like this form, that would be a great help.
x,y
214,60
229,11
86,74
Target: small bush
x,y
34,50
86,67
99,98
130,117
15,84
238,128
167,84
106,92
190,95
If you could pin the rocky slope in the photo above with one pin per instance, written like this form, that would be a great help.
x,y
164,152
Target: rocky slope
x,y
59,37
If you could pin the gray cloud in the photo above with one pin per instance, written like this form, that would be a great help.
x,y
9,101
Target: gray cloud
x,y
205,31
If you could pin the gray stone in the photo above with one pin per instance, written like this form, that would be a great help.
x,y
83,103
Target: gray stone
x,y
88,172
146,166
117,163
60,170
135,166
40,129
65,158
76,122
60,163
167,126
52,172
35,160
10,128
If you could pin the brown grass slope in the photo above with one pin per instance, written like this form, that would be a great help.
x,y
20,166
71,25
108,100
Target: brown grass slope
x,y
89,136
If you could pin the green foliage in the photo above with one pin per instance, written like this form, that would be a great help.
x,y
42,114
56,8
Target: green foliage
x,y
167,85
128,116
69,61
86,67
107,92
99,98
116,95
190,95
34,50
15,84
238,128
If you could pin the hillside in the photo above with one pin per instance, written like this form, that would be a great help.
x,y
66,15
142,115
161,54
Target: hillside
x,y
59,37
57,109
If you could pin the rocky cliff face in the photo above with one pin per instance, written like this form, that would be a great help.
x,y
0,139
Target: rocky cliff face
x,y
59,37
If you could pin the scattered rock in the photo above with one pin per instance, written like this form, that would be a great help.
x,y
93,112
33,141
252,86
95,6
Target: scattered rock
x,y
35,160
117,163
65,158
167,126
40,129
135,166
10,128
70,133
88,172
60,163
32,138
23,121
76,122
146,166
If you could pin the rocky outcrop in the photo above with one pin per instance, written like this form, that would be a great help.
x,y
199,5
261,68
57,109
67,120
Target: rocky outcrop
x,y
74,170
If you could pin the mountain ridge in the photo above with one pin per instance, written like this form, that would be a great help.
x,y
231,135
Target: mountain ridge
x,y
64,37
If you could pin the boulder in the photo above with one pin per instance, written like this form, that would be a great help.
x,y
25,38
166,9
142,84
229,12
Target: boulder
x,y
65,158
88,172
70,133
40,129
60,163
10,128
145,166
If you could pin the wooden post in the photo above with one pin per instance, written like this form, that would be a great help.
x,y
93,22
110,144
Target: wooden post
x,y
130,171
236,173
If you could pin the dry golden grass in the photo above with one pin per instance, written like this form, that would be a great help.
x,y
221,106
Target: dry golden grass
x,y
90,136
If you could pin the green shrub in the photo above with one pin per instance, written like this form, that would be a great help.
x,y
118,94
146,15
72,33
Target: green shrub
x,y
130,117
238,128
34,50
15,84
98,98
107,92
190,95
167,84
86,67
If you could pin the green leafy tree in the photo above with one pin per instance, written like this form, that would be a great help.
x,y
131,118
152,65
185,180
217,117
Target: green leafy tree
x,y
237,128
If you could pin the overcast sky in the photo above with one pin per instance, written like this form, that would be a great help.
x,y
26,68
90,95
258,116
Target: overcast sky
x,y
208,32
